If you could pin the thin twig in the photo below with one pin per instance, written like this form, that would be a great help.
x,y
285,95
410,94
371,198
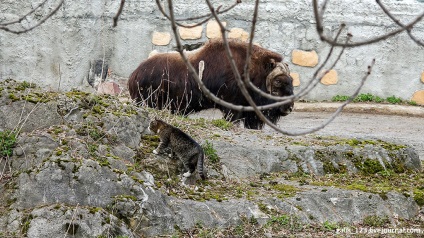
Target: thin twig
x,y
4,27
206,16
24,16
72,219
395,20
320,30
335,114
116,17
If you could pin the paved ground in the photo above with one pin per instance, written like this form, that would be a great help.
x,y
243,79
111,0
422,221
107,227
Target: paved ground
x,y
400,124
391,123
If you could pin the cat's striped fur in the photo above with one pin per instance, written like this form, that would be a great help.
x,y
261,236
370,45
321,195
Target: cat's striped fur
x,y
181,144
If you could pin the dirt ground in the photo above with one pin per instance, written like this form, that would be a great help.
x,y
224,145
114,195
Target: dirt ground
x,y
393,124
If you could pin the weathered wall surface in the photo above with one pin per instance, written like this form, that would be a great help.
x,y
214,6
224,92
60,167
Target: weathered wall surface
x,y
57,54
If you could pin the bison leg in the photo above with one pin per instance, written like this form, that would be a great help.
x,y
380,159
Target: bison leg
x,y
252,121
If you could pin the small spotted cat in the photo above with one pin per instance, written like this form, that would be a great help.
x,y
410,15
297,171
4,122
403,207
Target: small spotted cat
x,y
181,144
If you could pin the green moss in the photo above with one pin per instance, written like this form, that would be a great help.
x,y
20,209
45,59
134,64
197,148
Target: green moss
x,y
383,196
263,207
137,180
24,85
370,166
222,124
380,183
60,165
353,142
125,197
151,141
26,222
330,168
284,222
11,201
375,221
37,97
300,143
94,210
103,161
98,109
285,190
419,196
356,186
390,146
330,226
13,97
76,94
96,133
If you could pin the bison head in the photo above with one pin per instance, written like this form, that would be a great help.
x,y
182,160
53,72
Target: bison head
x,y
280,83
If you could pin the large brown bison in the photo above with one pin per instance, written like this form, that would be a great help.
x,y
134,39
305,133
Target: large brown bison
x,y
164,81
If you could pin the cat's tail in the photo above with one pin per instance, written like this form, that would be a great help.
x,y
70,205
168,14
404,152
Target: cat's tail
x,y
200,165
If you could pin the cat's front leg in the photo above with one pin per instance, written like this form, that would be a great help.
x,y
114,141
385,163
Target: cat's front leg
x,y
190,167
160,148
187,174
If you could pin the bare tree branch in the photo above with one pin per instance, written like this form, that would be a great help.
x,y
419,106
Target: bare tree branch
x,y
6,26
206,16
242,84
320,30
116,17
329,120
397,21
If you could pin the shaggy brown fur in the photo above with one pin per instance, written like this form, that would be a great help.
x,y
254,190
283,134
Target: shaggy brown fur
x,y
164,81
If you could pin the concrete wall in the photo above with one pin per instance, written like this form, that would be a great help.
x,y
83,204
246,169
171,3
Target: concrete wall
x,y
60,50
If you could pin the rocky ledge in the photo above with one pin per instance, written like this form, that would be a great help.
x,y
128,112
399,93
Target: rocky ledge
x,y
80,165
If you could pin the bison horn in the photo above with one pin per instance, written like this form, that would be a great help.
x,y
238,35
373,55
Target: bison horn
x,y
279,69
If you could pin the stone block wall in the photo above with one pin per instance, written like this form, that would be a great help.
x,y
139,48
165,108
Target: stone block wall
x,y
57,54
